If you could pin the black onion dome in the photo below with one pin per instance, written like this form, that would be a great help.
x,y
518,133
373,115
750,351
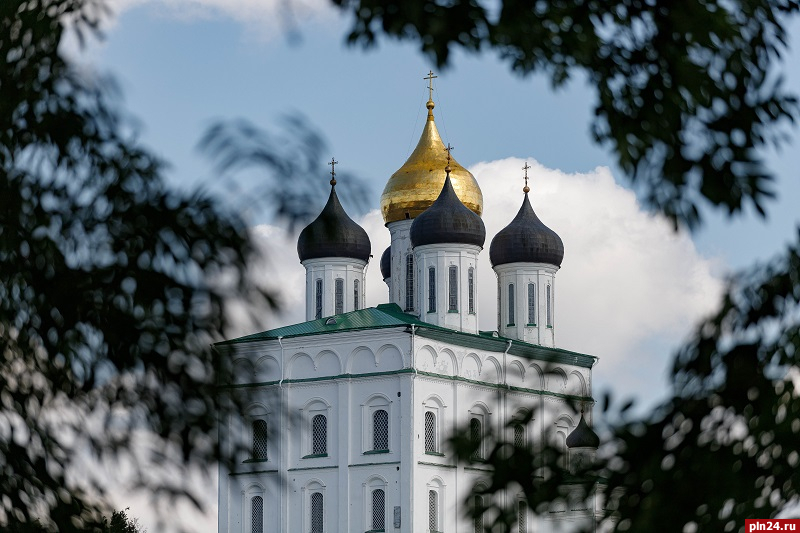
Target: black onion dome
x,y
449,221
333,234
386,263
583,436
526,240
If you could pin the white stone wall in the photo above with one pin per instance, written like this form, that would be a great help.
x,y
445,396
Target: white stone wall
x,y
347,376
329,269
441,257
542,276
401,249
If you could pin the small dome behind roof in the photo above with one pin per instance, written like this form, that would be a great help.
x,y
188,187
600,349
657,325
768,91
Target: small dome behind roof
x,y
526,240
386,263
583,436
448,220
333,234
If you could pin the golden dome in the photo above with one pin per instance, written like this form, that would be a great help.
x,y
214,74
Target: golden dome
x,y
417,184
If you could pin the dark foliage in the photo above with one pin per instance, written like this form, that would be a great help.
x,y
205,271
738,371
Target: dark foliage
x,y
121,523
287,166
688,96
724,448
686,89
112,287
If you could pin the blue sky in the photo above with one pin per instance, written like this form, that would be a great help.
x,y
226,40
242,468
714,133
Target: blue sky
x,y
180,69
182,64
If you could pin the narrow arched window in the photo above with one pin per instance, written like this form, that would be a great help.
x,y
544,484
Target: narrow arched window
x,y
549,308
257,514
319,434
339,296
476,436
453,289
318,299
477,520
433,511
510,304
431,289
409,282
356,298
380,430
378,510
430,432
519,436
531,303
317,512
522,517
260,440
471,289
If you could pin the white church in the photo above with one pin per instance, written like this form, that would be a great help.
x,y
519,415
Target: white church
x,y
349,412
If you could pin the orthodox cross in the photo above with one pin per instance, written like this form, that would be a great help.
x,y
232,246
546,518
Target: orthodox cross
x,y
447,149
526,189
333,163
430,77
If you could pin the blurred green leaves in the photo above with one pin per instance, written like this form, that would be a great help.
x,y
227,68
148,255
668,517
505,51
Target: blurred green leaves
x,y
112,287
689,97
687,90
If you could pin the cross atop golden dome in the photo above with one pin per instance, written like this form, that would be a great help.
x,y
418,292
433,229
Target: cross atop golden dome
x,y
417,184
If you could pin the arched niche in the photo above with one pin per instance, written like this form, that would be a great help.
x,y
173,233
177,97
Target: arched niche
x,y
576,384
267,369
426,359
557,380
491,370
471,367
362,361
446,363
243,371
516,374
301,366
536,377
389,358
328,363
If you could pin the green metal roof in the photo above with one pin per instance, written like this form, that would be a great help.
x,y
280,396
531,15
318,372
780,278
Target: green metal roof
x,y
383,316
391,316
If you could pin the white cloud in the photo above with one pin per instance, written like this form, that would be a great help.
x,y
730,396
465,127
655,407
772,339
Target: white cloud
x,y
629,289
265,17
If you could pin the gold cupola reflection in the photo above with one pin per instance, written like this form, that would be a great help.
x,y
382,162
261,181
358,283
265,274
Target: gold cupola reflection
x,y
416,185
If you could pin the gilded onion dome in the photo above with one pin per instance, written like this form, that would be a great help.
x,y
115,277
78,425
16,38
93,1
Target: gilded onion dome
x,y
526,240
583,436
448,220
416,185
386,263
333,234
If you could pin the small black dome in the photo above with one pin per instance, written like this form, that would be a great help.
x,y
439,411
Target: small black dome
x,y
333,234
583,436
386,263
448,220
526,240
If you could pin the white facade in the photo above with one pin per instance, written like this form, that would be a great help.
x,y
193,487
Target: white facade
x,y
334,285
447,290
526,309
406,372
402,290
346,420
